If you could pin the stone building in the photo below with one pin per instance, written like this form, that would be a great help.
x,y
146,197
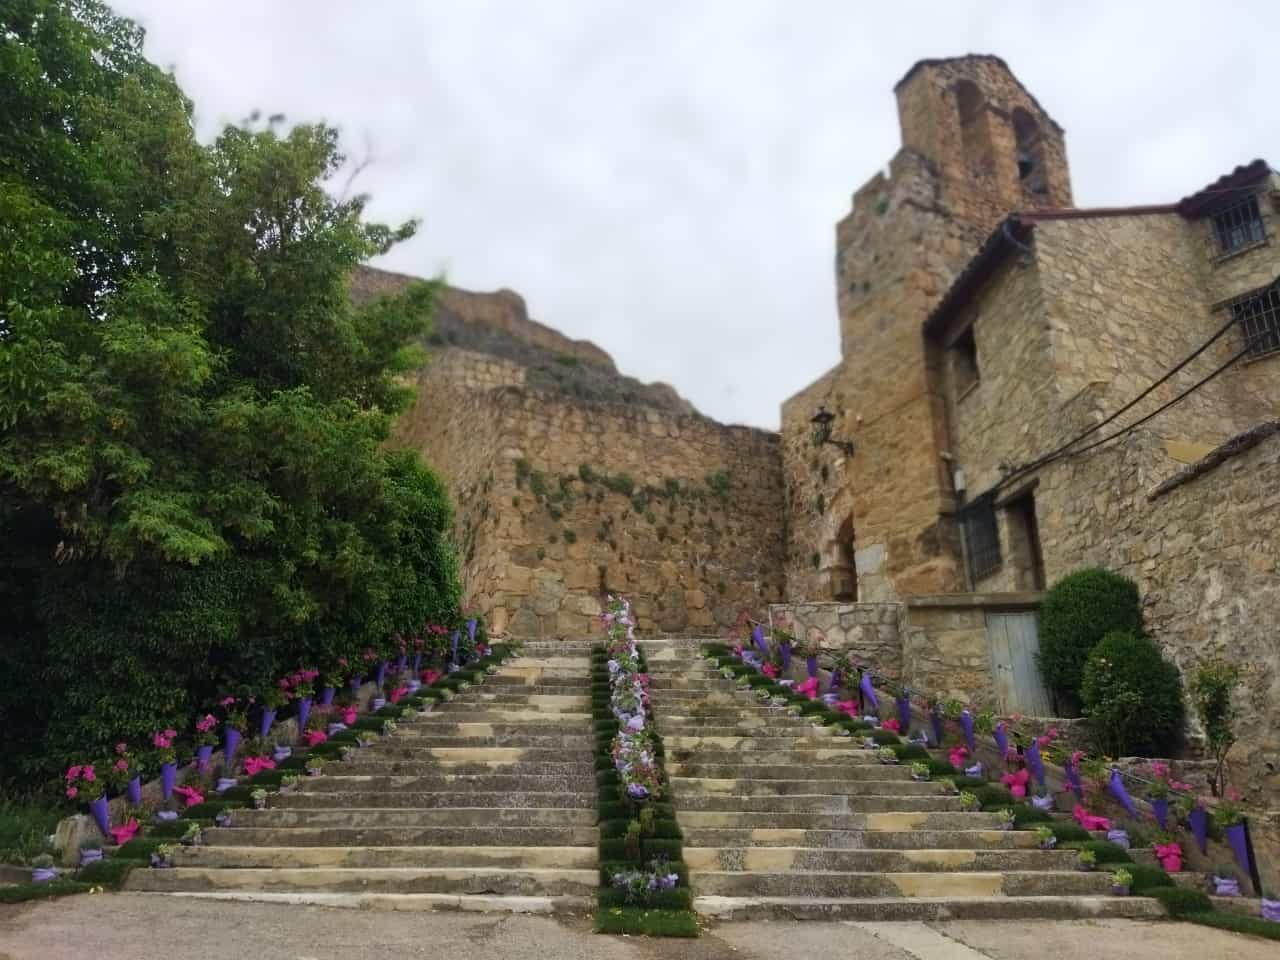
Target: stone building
x,y
1030,388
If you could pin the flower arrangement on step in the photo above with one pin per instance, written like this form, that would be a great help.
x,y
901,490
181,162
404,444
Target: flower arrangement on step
x,y
1046,837
920,772
640,887
1121,881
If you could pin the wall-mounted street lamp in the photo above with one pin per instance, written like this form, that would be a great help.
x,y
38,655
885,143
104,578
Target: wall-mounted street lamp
x,y
822,431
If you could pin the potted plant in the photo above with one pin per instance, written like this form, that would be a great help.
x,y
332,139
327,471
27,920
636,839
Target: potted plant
x,y
1121,880
126,775
367,738
886,755
810,648
192,836
83,785
90,850
1120,837
42,869
1158,792
235,722
1008,820
222,818
289,781
1225,883
388,728
969,802
949,787
920,771
1168,851
303,688
1048,839
1230,818
1087,861
162,856
314,766
1270,906
206,740
1042,800
259,797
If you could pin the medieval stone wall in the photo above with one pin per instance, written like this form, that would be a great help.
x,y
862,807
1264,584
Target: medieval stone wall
x,y
870,630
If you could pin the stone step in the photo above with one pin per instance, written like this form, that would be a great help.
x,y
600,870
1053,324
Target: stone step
x,y
927,908
488,880
723,883
533,683
740,725
824,755
765,837
364,835
550,725
790,819
370,763
416,741
399,902
419,817
816,743
319,798
463,710
549,661
525,782
836,772
688,786
811,803
467,751
290,857
775,859
532,701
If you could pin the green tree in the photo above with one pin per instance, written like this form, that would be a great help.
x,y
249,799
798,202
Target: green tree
x,y
1077,612
1132,697
195,485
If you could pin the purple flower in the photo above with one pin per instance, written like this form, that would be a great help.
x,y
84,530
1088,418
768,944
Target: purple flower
x,y
637,791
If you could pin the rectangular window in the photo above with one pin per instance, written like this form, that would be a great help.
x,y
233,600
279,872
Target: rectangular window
x,y
1259,317
981,538
1239,225
964,362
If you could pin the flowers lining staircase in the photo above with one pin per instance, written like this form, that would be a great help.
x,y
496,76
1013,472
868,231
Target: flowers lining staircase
x,y
485,802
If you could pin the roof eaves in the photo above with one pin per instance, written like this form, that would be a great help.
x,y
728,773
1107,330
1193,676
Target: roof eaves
x,y
1242,177
1012,233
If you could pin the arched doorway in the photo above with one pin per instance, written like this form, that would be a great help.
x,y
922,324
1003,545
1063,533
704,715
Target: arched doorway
x,y
839,572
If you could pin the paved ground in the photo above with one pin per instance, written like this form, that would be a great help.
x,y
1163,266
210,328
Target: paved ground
x,y
141,927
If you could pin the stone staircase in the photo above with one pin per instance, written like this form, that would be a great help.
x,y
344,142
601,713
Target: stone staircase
x,y
783,819
487,802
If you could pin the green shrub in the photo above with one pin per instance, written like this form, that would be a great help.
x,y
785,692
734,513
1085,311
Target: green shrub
x,y
993,796
24,829
651,923
1255,926
885,738
941,768
907,752
1077,612
110,872
1107,852
1132,697
1147,877
1071,833
1179,902
1025,815
39,891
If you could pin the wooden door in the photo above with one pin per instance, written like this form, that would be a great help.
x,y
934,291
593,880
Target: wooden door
x,y
1015,641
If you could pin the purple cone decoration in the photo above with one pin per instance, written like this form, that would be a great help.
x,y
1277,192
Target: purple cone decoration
x,y
382,671
1271,910
1002,739
836,679
204,754
1073,778
326,696
135,792
400,663
1116,786
1198,820
966,725
904,713
168,773
356,683
786,656
1119,837
868,691
935,721
1226,887
974,771
1239,846
471,630
230,745
417,663
101,815
454,657
304,713
1160,809
757,636
811,664
281,752
268,718
1034,763
43,874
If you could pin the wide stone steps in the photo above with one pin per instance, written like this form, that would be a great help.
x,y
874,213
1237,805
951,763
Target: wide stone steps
x,y
435,857
484,802
405,836
786,819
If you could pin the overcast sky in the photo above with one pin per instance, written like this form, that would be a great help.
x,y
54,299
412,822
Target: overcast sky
x,y
663,178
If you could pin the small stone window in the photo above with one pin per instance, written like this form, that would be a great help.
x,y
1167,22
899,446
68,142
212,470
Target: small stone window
x,y
1239,225
981,537
1258,315
1030,147
964,362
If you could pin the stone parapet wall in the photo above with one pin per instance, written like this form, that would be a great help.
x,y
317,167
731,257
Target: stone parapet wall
x,y
870,630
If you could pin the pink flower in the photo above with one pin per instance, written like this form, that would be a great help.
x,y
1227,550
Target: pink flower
x,y
314,737
957,757
206,723
73,772
349,716
125,833
770,671
122,764
430,676
892,725
1088,821
71,792
255,765
398,694
190,795
1159,769
849,707
227,701
342,661
88,774
122,748
171,734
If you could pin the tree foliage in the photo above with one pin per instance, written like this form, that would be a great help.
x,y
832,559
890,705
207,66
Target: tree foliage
x,y
1210,689
195,485
1077,612
1132,697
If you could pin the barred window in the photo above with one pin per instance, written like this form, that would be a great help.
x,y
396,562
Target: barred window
x,y
1239,225
981,538
1258,315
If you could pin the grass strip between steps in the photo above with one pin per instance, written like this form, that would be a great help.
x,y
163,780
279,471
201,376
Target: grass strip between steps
x,y
671,913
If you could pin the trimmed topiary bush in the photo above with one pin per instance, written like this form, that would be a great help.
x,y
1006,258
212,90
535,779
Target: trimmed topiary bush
x,y
1132,697
1179,901
1077,612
